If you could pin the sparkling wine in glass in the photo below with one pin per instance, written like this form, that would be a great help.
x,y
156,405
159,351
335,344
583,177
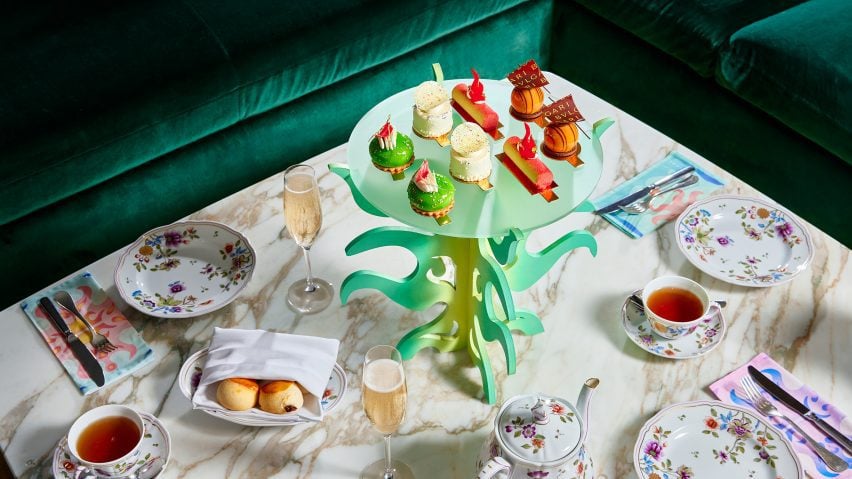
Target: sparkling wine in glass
x,y
383,394
303,216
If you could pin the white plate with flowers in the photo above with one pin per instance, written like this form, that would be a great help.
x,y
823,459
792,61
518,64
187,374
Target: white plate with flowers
x,y
701,439
185,269
744,241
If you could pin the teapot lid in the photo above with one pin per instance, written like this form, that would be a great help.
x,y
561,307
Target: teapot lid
x,y
539,429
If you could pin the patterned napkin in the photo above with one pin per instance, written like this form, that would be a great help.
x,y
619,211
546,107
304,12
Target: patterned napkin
x,y
728,390
131,350
664,208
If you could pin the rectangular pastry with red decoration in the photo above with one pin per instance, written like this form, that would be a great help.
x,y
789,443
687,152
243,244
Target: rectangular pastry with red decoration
x,y
519,157
469,102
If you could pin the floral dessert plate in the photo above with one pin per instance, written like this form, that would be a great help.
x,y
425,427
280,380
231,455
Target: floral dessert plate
x,y
190,375
744,241
712,439
704,339
185,269
156,449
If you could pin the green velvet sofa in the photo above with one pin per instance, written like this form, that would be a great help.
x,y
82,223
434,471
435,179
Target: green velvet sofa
x,y
763,88
116,117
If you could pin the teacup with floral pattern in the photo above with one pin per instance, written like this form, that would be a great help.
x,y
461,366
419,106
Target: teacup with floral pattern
x,y
118,467
673,329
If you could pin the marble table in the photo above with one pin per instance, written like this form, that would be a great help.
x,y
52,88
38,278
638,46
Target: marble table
x,y
805,325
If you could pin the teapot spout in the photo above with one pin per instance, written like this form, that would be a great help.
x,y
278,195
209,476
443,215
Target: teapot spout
x,y
583,403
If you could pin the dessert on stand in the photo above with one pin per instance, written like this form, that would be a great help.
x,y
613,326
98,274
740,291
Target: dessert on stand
x,y
391,151
485,241
469,102
432,116
528,94
470,155
431,194
561,135
519,157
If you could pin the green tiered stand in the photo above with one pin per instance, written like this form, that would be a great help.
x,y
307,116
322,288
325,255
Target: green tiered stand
x,y
485,240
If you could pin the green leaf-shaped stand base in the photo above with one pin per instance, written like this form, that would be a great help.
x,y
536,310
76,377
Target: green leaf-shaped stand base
x,y
484,268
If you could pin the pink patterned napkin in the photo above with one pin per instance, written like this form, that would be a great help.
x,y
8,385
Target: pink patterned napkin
x,y
131,353
728,390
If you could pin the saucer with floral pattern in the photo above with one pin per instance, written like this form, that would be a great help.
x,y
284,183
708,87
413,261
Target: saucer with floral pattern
x,y
704,339
156,449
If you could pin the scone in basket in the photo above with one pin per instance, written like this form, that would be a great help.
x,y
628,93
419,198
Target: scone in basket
x,y
190,375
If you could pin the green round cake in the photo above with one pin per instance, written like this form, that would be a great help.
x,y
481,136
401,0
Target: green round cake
x,y
391,150
429,193
436,201
395,157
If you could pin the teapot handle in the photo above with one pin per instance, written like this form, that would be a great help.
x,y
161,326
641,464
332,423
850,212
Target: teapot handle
x,y
496,467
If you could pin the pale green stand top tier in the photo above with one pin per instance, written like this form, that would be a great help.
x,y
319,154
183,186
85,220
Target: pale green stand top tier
x,y
485,241
477,214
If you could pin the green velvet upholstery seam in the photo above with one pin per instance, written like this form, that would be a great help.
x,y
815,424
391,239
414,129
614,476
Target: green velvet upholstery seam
x,y
242,86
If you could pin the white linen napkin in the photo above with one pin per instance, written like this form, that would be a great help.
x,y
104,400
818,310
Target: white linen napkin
x,y
259,354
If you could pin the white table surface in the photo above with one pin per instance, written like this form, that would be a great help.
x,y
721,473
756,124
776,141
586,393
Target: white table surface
x,y
805,325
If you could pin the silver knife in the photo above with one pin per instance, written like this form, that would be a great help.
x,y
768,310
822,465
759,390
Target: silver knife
x,y
791,402
644,191
89,362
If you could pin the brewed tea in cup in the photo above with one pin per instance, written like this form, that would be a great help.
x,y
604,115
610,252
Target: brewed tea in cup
x,y
676,305
107,440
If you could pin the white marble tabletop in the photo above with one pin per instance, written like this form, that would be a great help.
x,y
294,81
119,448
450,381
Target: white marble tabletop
x,y
805,325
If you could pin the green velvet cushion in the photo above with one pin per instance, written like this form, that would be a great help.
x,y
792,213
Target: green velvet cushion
x,y
690,30
285,50
797,66
90,94
91,90
702,115
56,241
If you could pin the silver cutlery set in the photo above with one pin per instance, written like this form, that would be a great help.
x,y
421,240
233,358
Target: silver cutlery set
x,y
766,408
99,342
638,202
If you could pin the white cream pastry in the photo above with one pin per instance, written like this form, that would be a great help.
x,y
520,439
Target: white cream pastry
x,y
433,116
470,153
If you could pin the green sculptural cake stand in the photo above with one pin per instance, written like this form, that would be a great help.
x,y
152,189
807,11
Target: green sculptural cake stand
x,y
485,241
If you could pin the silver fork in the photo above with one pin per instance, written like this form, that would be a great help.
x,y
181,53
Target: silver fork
x,y
99,341
642,205
766,408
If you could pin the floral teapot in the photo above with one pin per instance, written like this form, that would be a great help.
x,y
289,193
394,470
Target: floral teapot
x,y
540,437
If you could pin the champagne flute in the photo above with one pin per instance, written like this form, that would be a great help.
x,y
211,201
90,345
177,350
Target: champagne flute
x,y
383,394
303,216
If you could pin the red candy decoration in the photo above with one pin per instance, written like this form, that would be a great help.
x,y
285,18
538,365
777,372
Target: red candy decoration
x,y
527,146
476,92
422,172
385,131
